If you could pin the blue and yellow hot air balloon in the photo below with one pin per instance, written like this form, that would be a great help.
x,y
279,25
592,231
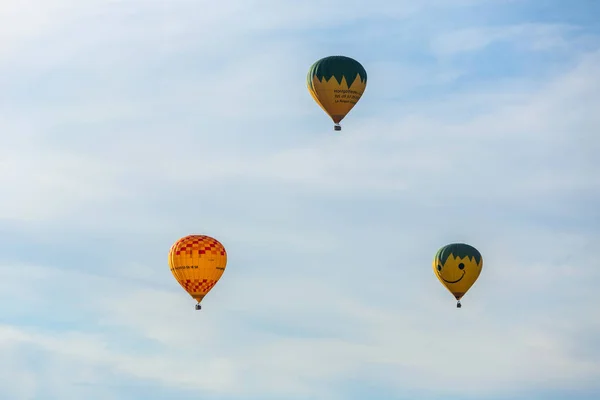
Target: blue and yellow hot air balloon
x,y
337,83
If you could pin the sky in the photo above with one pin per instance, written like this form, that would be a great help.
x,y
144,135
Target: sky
x,y
125,125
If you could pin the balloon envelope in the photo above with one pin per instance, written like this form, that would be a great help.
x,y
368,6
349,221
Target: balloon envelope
x,y
197,262
336,83
457,266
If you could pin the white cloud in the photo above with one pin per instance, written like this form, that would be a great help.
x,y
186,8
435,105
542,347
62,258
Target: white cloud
x,y
537,37
422,336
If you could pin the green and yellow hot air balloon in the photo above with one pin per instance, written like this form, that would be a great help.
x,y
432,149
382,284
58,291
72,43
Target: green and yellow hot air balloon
x,y
337,83
457,266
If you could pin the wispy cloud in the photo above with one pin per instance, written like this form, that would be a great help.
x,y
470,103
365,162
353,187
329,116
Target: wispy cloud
x,y
529,37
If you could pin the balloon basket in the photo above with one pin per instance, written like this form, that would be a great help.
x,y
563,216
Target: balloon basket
x,y
198,307
458,305
337,127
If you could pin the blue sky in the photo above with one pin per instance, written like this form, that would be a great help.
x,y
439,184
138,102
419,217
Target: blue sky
x,y
125,125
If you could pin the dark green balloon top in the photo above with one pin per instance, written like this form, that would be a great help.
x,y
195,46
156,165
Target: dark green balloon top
x,y
337,66
460,250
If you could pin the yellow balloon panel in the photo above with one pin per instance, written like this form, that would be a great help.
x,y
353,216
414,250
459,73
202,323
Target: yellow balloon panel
x,y
337,99
197,262
457,273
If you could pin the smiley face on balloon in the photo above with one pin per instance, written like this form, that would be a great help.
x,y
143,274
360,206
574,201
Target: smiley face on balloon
x,y
457,266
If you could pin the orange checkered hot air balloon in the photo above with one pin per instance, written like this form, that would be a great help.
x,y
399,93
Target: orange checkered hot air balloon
x,y
197,262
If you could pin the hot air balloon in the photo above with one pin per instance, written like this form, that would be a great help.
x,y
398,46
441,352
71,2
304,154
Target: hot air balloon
x,y
457,266
197,262
336,83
